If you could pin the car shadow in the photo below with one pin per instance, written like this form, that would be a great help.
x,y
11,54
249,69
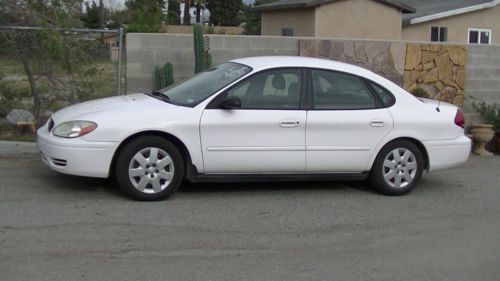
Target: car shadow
x,y
273,186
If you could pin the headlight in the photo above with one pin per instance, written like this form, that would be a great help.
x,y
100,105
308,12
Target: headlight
x,y
74,129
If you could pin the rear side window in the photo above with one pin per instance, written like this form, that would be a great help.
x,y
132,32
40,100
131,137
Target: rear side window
x,y
339,91
385,96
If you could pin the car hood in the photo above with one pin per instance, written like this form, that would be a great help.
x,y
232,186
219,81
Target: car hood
x,y
84,109
122,116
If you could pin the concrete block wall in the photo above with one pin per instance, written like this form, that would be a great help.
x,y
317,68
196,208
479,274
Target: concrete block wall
x,y
145,50
482,79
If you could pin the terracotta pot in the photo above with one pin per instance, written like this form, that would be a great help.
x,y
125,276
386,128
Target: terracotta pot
x,y
482,134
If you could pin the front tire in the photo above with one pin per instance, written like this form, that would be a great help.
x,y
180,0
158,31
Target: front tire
x,y
149,168
397,169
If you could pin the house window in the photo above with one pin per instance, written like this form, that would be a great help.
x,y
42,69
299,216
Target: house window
x,y
287,31
439,34
479,36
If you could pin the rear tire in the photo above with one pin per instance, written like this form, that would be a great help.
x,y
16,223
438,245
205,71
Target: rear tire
x,y
397,168
149,168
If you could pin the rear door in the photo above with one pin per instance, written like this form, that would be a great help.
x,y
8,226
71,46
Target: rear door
x,y
345,123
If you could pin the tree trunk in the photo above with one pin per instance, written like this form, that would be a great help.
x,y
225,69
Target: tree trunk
x,y
34,93
187,16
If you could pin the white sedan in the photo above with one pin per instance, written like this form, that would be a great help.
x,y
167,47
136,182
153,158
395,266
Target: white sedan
x,y
261,118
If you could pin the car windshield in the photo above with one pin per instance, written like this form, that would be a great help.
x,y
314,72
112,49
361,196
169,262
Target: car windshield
x,y
194,90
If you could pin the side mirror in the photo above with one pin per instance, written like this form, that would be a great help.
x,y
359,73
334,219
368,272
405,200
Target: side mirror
x,y
231,102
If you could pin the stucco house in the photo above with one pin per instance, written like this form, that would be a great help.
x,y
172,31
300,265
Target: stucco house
x,y
457,21
464,21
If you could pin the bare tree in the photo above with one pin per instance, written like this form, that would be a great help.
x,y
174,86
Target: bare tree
x,y
56,63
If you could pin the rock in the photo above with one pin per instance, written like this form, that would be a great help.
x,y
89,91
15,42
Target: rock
x,y
413,56
412,87
425,47
419,67
448,94
435,48
427,56
448,81
359,52
439,85
429,65
19,115
458,55
349,49
407,79
397,53
373,49
421,77
432,76
443,66
460,78
324,48
337,51
459,99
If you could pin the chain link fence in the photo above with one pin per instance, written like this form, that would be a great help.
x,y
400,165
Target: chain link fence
x,y
43,70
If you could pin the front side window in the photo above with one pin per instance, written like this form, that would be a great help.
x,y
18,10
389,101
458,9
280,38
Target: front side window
x,y
479,36
275,89
335,90
193,91
439,34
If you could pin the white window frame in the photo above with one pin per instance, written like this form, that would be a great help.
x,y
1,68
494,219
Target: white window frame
x,y
479,30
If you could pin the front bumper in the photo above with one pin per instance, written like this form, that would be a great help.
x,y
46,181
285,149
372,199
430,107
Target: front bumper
x,y
447,153
75,156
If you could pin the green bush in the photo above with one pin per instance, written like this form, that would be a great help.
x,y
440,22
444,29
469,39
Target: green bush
x,y
143,28
489,112
11,97
420,92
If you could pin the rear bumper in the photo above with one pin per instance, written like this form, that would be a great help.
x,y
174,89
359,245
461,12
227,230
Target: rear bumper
x,y
75,156
447,153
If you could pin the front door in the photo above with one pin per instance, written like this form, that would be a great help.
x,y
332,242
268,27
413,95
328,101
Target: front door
x,y
266,134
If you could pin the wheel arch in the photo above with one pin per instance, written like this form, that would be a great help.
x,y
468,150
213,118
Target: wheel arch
x,y
416,142
175,140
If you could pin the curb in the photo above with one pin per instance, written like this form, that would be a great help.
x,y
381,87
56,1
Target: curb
x,y
16,147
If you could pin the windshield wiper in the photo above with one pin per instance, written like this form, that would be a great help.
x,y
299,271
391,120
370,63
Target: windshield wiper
x,y
160,95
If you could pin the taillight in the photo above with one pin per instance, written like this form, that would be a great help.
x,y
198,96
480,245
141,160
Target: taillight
x,y
459,118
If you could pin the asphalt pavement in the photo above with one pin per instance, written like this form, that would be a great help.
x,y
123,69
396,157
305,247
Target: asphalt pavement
x,y
58,227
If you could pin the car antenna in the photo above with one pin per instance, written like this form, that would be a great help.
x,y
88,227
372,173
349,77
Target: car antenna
x,y
439,102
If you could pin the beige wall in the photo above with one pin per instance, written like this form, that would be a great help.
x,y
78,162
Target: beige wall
x,y
364,19
458,26
301,20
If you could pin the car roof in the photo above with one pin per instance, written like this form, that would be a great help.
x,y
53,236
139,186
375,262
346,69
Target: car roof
x,y
267,62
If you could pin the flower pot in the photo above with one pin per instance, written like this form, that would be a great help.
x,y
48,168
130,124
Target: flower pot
x,y
482,134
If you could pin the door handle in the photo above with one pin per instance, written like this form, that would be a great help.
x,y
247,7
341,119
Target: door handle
x,y
289,124
377,123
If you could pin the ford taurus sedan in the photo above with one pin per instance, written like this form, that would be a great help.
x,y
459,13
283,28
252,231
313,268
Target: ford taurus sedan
x,y
261,118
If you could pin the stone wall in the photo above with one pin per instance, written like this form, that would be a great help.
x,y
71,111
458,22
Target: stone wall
x,y
384,58
438,69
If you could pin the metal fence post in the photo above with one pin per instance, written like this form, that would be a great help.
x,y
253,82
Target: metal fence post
x,y
120,53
